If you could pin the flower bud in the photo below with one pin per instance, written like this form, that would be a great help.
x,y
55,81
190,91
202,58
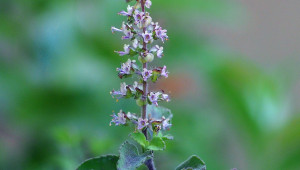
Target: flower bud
x,y
149,58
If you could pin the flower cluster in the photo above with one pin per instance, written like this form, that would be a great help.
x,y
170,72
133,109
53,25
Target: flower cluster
x,y
122,118
143,36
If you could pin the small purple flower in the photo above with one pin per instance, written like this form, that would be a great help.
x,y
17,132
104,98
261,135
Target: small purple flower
x,y
160,33
116,93
159,50
147,37
118,120
164,72
136,44
153,97
165,97
126,31
125,67
114,29
129,11
148,3
142,123
131,116
166,125
123,88
138,16
126,50
121,93
146,74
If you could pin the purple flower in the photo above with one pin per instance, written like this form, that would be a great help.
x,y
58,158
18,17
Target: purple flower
x,y
136,44
164,72
129,11
162,34
165,124
113,29
153,97
125,67
142,123
126,50
165,97
148,3
121,93
159,32
123,88
126,31
118,120
159,50
138,16
131,115
147,37
146,74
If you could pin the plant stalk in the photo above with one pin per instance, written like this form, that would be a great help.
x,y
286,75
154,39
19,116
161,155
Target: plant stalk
x,y
149,163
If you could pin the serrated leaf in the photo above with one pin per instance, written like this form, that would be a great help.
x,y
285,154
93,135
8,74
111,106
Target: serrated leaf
x,y
140,138
158,111
130,158
192,163
157,144
100,163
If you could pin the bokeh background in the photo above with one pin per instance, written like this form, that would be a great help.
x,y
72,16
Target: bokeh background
x,y
234,82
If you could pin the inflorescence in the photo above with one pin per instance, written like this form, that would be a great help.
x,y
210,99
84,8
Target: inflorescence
x,y
143,35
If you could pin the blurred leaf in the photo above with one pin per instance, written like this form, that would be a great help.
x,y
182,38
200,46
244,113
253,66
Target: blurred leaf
x,y
192,163
157,112
130,158
100,163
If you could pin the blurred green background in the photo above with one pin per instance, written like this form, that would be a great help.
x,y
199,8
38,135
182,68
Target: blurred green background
x,y
234,82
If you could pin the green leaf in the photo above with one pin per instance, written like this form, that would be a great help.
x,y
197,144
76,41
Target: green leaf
x,y
154,76
157,144
100,163
158,111
130,159
140,138
132,53
167,137
192,163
